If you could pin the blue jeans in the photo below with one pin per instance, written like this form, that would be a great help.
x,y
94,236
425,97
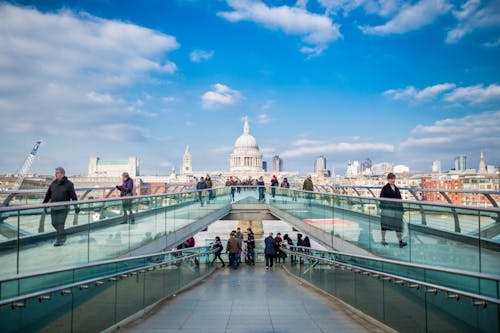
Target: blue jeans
x,y
233,260
251,256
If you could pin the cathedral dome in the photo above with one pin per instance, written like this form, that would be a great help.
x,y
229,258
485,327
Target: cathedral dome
x,y
246,157
246,141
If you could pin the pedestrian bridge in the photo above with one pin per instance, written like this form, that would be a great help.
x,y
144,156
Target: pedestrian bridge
x,y
109,273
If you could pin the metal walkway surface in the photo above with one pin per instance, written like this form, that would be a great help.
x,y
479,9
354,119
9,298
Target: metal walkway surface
x,y
251,300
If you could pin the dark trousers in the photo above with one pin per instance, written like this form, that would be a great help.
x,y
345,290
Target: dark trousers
x,y
269,260
128,216
251,256
217,256
232,193
233,260
58,218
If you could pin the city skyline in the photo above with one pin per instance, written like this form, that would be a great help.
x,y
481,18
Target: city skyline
x,y
400,82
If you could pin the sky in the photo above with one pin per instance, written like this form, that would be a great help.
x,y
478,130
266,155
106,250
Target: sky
x,y
406,82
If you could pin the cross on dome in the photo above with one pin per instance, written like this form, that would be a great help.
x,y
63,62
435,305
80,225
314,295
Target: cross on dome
x,y
246,128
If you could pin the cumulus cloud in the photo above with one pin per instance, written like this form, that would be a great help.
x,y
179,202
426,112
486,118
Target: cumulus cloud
x,y
263,118
200,55
448,92
473,15
411,17
474,94
471,132
317,31
382,8
492,43
314,147
221,95
414,94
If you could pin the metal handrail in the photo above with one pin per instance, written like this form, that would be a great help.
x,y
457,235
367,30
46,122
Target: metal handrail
x,y
14,300
490,277
411,282
97,263
79,189
91,201
422,189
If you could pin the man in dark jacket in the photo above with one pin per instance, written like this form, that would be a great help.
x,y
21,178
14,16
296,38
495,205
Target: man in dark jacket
x,y
269,250
126,189
233,248
200,186
61,189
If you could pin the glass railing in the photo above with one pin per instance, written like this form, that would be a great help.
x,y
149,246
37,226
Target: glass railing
x,y
406,297
94,230
435,234
95,297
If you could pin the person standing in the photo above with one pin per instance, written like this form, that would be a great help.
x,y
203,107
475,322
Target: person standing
x,y
126,189
289,242
285,183
200,186
262,189
208,180
233,247
219,247
309,187
269,250
278,240
61,189
230,183
251,246
300,241
274,184
239,235
391,215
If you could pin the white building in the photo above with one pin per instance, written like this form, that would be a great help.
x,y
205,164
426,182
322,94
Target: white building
x,y
187,168
436,166
381,169
113,168
352,169
401,169
246,159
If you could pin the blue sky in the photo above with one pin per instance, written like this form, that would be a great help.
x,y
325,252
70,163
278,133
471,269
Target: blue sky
x,y
406,82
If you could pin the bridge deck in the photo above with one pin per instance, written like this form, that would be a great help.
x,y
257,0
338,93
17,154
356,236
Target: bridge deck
x,y
251,300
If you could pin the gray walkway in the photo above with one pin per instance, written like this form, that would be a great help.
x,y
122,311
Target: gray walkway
x,y
251,300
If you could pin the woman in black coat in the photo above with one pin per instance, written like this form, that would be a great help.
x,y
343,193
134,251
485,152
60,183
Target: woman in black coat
x,y
391,215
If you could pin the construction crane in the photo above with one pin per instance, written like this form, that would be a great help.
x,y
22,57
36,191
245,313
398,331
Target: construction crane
x,y
27,165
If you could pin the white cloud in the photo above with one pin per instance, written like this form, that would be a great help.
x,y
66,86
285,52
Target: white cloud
x,y
413,94
411,17
492,43
474,94
66,60
169,99
474,15
314,147
382,8
263,118
452,134
200,55
222,149
222,95
315,30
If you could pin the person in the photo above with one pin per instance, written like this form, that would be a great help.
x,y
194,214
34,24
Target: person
x,y
289,242
278,240
61,189
200,186
285,183
300,241
233,247
262,189
208,180
391,215
250,246
190,242
239,235
308,186
307,243
218,245
274,184
269,250
126,189
230,183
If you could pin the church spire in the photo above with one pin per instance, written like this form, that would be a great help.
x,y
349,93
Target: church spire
x,y
246,128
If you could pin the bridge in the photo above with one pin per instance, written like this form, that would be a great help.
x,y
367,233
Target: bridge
x,y
109,274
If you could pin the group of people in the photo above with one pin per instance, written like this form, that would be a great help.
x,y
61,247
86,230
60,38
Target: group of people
x,y
236,185
205,183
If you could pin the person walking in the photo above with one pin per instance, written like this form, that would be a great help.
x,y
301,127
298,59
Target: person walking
x,y
289,242
230,183
219,247
391,213
262,189
200,186
233,247
274,184
61,189
269,250
239,235
208,180
250,246
126,190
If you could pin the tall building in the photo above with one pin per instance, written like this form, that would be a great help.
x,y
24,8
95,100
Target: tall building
x,y
436,166
187,168
366,165
482,165
319,165
461,163
277,164
99,167
246,157
352,169
264,166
